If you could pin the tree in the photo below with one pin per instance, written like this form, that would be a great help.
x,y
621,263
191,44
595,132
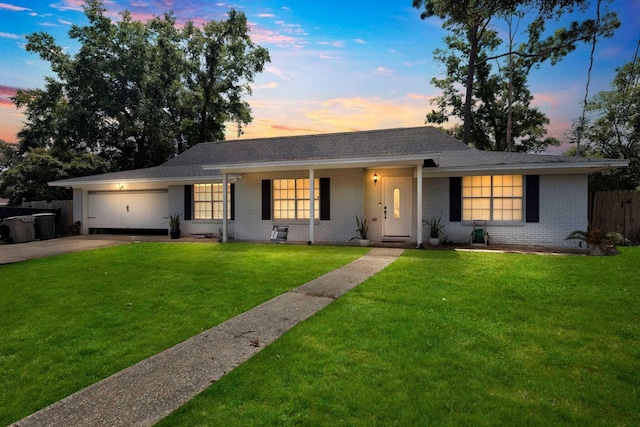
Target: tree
x,y
615,132
471,20
8,155
499,112
28,178
138,93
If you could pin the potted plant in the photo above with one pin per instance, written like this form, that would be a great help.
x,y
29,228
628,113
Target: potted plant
x,y
435,230
363,231
597,241
174,226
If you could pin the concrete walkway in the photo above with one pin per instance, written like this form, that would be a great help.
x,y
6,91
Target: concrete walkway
x,y
147,392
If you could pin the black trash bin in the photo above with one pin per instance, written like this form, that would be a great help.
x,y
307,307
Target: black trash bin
x,y
45,225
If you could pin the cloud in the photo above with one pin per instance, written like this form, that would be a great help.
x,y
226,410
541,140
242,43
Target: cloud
x,y
266,15
65,5
293,128
418,97
13,8
7,91
335,58
337,43
270,85
359,113
278,72
9,36
383,71
359,41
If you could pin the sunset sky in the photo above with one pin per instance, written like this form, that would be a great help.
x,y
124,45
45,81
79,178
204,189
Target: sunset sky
x,y
335,65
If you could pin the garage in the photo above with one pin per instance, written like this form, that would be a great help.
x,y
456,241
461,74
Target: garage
x,y
142,212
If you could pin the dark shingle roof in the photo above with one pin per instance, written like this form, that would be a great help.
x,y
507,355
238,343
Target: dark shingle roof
x,y
426,141
347,145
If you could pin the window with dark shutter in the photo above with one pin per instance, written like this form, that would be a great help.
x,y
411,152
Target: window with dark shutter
x,y
188,202
455,199
266,199
532,194
325,199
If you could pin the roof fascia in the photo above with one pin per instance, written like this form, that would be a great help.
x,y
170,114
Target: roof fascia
x,y
347,163
532,168
164,181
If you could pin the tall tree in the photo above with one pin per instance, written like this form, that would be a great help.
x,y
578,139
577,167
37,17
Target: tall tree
x,y
471,19
497,108
138,93
615,131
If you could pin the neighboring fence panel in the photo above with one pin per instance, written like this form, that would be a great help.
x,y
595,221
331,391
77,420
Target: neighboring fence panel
x,y
616,211
65,207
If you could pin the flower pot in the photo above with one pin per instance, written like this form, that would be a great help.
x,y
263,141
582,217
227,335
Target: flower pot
x,y
434,241
175,234
364,242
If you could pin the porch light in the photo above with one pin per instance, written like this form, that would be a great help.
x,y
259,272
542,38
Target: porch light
x,y
375,179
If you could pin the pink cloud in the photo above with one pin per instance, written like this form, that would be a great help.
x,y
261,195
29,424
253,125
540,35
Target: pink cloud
x,y
7,91
68,5
13,8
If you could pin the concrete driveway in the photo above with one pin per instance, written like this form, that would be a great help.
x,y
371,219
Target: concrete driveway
x,y
10,253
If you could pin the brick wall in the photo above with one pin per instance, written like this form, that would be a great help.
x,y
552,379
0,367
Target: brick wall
x,y
346,203
563,208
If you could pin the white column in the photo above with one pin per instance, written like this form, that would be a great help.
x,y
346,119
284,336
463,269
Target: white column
x,y
84,228
419,201
312,192
224,206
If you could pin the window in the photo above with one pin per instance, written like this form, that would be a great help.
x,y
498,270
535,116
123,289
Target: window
x,y
291,198
492,198
207,201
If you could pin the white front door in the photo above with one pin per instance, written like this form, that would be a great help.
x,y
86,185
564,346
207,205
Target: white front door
x,y
397,207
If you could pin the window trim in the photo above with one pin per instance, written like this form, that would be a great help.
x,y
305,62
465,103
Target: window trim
x,y
296,200
213,201
492,198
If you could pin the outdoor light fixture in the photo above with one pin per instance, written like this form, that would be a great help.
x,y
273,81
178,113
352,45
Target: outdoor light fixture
x,y
375,179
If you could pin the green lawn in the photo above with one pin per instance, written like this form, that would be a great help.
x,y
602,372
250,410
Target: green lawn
x,y
448,338
71,320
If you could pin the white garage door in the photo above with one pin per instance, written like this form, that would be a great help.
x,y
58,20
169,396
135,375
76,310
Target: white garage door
x,y
129,209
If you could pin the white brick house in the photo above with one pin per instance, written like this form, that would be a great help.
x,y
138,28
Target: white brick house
x,y
397,179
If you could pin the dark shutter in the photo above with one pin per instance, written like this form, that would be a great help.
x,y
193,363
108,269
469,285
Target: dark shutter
x,y
455,199
232,196
188,202
532,195
266,199
325,199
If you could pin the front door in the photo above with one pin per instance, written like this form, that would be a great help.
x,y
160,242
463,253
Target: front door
x,y
397,207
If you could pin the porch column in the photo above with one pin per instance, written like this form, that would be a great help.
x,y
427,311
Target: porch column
x,y
312,220
84,227
419,201
224,206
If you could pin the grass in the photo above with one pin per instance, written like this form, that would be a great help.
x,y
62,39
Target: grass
x,y
71,320
446,338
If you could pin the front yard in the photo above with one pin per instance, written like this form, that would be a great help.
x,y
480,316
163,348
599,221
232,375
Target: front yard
x,y
446,338
71,320
438,338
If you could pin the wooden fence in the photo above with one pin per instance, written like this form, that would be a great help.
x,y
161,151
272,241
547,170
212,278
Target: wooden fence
x,y
616,211
66,211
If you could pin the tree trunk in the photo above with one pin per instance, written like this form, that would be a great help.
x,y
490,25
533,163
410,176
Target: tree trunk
x,y
473,53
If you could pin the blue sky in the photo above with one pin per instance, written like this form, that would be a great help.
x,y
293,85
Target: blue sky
x,y
335,65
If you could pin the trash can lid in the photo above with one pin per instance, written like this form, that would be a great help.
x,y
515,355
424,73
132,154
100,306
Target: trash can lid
x,y
23,218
